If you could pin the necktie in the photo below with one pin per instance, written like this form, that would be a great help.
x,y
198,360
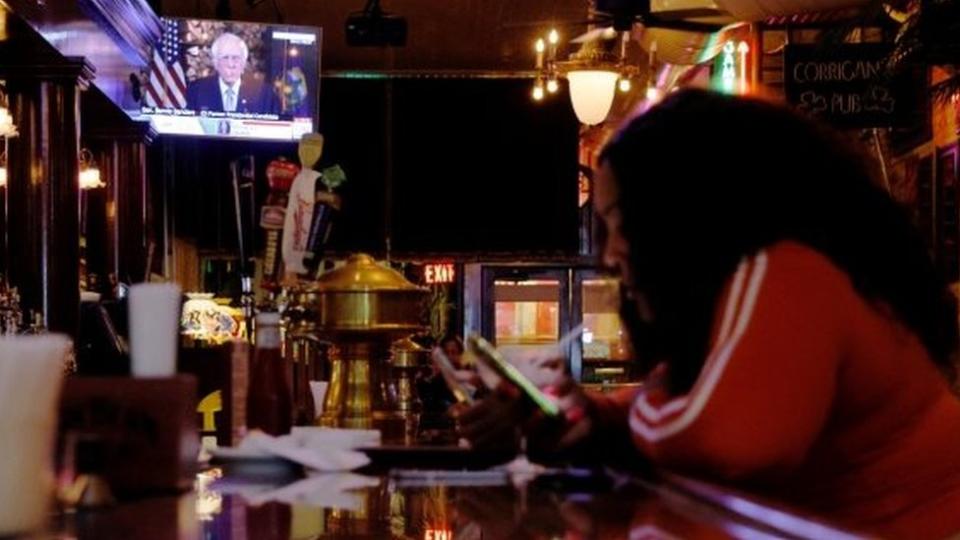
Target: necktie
x,y
229,100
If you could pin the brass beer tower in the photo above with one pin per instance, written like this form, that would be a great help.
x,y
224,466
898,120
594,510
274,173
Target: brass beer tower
x,y
361,308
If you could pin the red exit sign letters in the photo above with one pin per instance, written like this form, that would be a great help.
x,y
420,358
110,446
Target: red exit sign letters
x,y
438,534
438,273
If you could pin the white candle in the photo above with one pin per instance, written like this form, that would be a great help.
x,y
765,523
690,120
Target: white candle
x,y
554,39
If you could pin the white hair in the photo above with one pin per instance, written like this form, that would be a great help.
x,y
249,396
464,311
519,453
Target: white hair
x,y
222,40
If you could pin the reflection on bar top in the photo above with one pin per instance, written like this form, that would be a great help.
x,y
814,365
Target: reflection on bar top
x,y
381,508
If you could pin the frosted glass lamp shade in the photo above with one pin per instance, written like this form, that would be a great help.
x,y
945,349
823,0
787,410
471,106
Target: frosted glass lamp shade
x,y
591,92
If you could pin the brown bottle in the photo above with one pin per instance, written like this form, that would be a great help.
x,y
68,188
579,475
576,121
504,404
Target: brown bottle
x,y
269,399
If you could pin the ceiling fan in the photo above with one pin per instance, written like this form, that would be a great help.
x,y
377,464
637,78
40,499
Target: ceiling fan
x,y
622,15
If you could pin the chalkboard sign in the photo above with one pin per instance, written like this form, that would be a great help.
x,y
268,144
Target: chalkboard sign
x,y
848,85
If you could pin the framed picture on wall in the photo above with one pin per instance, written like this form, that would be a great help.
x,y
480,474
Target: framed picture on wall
x,y
947,227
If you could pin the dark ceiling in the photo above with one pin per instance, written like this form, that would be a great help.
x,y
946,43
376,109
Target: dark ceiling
x,y
443,34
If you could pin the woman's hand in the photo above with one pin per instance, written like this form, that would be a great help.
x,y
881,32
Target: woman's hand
x,y
551,437
493,423
544,367
497,421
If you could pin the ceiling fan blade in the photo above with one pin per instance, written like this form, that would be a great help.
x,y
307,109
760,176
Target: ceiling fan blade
x,y
554,24
651,21
595,34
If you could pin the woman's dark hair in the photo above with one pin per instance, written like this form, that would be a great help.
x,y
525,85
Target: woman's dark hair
x,y
705,179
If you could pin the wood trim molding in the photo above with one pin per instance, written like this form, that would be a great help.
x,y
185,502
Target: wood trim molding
x,y
76,69
131,23
135,131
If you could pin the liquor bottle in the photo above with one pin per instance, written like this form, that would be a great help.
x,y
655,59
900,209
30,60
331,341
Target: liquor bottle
x,y
269,398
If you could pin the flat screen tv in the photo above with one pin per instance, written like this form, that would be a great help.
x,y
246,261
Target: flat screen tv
x,y
233,80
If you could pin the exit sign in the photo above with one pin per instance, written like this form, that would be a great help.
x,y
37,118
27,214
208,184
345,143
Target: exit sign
x,y
438,534
438,273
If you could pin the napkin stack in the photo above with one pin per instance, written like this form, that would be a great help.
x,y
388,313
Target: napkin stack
x,y
317,449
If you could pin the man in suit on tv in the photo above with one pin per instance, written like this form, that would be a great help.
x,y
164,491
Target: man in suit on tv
x,y
229,90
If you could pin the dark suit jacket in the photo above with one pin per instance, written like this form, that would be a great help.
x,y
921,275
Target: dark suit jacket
x,y
255,96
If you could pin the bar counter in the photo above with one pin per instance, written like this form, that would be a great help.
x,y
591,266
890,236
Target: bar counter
x,y
442,506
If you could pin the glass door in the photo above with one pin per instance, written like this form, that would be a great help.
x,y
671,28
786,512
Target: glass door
x,y
604,354
525,308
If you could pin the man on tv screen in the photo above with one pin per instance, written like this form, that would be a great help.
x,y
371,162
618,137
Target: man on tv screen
x,y
229,90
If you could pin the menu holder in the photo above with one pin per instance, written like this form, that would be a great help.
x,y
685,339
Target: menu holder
x,y
148,428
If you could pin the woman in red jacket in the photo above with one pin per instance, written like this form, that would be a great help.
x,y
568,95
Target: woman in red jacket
x,y
798,338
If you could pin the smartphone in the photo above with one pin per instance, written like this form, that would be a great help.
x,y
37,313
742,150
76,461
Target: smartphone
x,y
489,355
459,390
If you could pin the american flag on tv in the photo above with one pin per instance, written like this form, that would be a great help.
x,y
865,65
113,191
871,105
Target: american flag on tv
x,y
166,82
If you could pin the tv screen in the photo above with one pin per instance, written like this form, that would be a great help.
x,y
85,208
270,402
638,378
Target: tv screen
x,y
233,80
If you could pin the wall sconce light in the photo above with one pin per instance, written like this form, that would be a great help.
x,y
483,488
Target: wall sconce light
x,y
7,127
89,173
7,130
